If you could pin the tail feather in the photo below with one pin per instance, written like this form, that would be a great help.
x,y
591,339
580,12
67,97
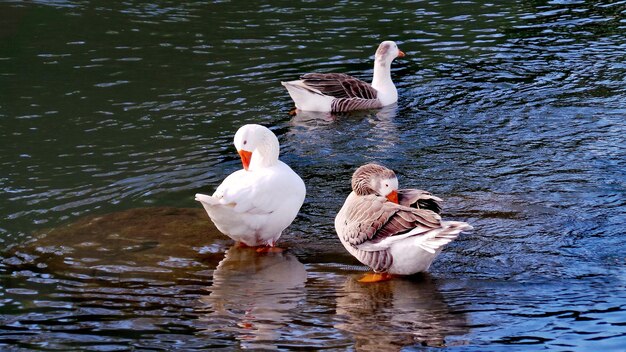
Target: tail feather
x,y
205,199
448,233
307,98
300,85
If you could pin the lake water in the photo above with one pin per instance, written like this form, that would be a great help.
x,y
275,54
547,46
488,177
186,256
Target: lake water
x,y
114,114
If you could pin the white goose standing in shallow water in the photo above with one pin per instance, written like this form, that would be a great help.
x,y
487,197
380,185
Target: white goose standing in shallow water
x,y
338,92
254,205
388,237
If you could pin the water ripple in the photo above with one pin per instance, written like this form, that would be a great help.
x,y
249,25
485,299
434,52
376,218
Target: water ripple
x,y
511,112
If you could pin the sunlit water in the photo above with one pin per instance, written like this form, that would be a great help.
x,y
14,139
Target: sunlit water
x,y
113,115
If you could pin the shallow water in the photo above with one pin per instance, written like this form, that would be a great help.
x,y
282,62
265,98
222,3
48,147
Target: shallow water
x,y
513,112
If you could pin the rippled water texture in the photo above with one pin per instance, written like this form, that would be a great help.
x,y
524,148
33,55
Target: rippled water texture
x,y
114,114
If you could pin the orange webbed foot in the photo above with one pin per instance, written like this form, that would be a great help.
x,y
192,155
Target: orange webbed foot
x,y
375,277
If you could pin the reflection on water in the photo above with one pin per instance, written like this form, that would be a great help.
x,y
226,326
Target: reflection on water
x,y
110,281
254,295
164,278
313,119
389,315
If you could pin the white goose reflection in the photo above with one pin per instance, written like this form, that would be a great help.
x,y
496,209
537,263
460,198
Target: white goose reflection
x,y
323,135
254,294
313,120
385,129
387,316
379,119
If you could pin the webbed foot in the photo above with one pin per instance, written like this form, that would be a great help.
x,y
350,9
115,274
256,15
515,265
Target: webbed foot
x,y
375,277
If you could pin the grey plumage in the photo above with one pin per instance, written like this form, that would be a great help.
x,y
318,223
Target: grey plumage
x,y
416,198
372,219
403,237
339,92
339,85
350,93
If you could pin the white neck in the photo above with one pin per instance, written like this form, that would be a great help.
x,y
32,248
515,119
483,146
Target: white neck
x,y
387,92
265,154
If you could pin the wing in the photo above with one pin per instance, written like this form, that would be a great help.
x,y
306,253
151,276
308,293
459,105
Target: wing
x,y
238,190
371,219
339,85
351,104
416,198
262,191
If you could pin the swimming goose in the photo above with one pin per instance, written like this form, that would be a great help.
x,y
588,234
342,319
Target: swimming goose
x,y
388,236
338,92
254,205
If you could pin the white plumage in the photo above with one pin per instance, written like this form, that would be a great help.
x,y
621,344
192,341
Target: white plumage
x,y
256,204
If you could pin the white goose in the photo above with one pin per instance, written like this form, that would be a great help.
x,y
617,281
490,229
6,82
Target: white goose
x,y
254,205
388,237
338,92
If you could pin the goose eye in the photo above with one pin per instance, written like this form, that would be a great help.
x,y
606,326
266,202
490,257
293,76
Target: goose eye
x,y
245,142
386,185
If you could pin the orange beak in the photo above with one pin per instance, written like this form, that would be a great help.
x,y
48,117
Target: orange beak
x,y
393,197
245,158
401,53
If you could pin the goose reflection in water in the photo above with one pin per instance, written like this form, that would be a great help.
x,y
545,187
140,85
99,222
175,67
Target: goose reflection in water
x,y
385,132
387,316
254,294
323,135
313,119
379,119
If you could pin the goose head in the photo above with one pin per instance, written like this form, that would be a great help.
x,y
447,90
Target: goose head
x,y
257,146
387,51
375,179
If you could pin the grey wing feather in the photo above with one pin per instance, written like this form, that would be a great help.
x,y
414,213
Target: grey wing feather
x,y
406,219
351,104
373,219
416,198
339,85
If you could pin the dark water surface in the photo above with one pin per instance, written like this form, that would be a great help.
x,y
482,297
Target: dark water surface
x,y
114,114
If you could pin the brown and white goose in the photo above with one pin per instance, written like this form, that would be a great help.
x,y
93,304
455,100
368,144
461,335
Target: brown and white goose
x,y
338,92
392,234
